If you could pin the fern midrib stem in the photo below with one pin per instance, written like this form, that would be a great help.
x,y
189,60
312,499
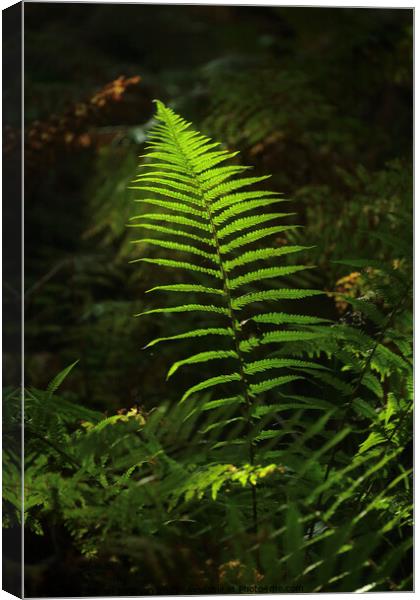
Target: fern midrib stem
x,y
236,333
236,328
234,323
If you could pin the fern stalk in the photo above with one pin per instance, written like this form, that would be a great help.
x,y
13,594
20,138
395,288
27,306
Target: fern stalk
x,y
234,324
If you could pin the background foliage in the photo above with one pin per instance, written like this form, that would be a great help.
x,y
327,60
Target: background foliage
x,y
320,98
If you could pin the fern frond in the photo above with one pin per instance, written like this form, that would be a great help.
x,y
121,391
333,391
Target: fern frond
x,y
269,384
202,357
243,207
59,378
259,366
168,157
173,170
283,294
238,225
178,206
186,308
186,168
212,404
211,179
211,382
232,199
230,186
254,236
269,273
175,219
165,262
279,336
176,232
186,288
280,318
289,336
178,181
262,254
212,159
189,248
227,331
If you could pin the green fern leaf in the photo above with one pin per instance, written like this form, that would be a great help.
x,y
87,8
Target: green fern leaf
x,y
178,206
265,364
211,382
212,159
230,186
268,273
370,381
238,225
175,219
176,232
242,207
280,318
164,262
254,236
289,336
212,404
187,308
186,288
279,337
202,357
162,176
232,199
185,167
284,294
269,384
59,378
210,179
189,248
193,334
261,254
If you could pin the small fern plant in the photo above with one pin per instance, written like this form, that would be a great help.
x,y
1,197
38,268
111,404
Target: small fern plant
x,y
208,215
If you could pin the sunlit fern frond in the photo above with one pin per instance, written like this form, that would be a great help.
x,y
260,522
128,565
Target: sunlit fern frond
x,y
208,219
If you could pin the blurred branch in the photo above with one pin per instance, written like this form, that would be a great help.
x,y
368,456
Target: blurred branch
x,y
38,284
45,140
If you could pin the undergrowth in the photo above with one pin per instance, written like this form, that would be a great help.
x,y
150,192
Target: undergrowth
x,y
287,462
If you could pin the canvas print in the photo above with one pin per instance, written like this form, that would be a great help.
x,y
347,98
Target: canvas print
x,y
207,296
